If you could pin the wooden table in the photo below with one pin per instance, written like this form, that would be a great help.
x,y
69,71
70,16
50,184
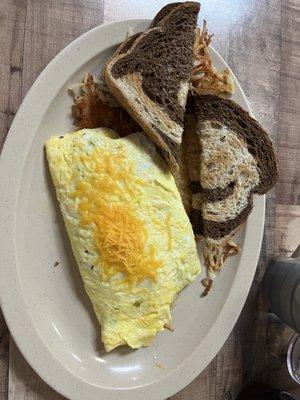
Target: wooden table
x,y
260,39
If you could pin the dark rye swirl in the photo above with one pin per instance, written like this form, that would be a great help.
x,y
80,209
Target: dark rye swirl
x,y
149,76
229,157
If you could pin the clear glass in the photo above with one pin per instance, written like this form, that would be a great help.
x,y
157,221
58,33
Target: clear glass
x,y
293,358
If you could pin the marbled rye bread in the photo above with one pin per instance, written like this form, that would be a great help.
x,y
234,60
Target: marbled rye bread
x,y
149,75
229,157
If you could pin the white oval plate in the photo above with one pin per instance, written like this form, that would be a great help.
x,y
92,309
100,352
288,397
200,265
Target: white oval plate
x,y
46,308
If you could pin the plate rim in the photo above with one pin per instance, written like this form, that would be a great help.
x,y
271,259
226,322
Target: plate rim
x,y
57,375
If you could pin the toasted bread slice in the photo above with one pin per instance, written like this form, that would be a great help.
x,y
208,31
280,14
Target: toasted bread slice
x,y
229,157
149,75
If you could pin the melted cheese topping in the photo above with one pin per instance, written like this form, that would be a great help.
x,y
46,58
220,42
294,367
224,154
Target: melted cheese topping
x,y
119,234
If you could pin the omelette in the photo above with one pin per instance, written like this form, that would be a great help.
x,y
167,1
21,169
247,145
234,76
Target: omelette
x,y
129,232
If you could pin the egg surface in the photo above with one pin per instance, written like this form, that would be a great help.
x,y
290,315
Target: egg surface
x,y
129,232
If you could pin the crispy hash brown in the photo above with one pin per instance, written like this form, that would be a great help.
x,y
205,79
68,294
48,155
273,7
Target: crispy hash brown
x,y
95,107
205,78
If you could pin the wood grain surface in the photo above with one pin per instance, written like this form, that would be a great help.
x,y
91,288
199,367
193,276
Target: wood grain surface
x,y
260,39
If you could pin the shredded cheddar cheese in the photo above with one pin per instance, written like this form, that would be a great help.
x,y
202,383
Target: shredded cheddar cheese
x,y
106,200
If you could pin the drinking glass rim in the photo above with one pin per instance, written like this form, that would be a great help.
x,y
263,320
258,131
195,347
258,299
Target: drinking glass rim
x,y
289,362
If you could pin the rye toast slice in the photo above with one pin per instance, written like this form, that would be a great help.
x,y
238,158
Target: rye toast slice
x,y
229,157
149,76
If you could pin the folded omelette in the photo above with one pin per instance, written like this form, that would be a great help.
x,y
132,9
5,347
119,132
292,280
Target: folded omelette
x,y
130,235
